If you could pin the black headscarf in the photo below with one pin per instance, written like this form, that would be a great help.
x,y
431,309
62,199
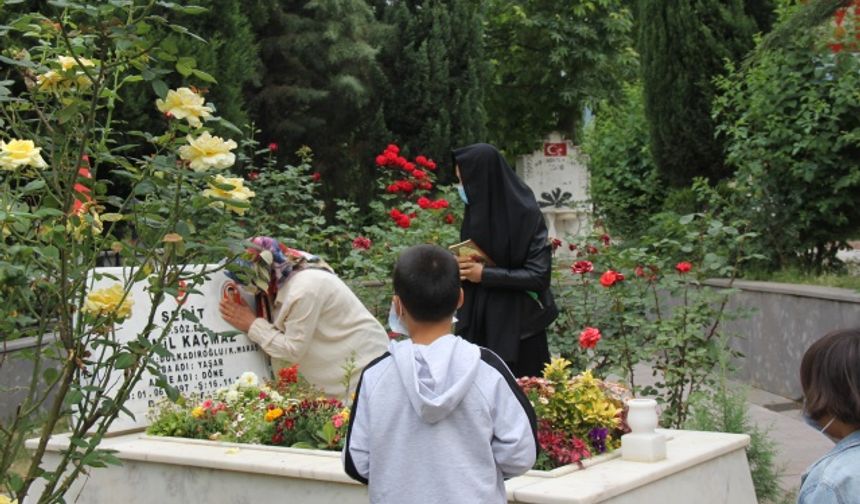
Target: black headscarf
x,y
502,218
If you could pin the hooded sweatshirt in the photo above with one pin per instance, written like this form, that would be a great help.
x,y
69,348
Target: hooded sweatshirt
x,y
441,423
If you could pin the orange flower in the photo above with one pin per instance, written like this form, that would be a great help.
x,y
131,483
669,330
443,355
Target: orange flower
x,y
274,414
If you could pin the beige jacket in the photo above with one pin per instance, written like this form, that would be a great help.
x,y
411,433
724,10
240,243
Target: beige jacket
x,y
320,325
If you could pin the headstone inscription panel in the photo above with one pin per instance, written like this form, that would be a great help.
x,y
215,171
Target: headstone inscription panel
x,y
200,362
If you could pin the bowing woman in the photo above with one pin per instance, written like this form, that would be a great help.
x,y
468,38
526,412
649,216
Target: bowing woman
x,y
508,305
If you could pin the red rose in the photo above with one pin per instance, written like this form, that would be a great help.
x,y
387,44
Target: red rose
x,y
290,374
407,186
361,243
589,337
408,166
610,278
582,267
431,165
403,221
425,185
571,247
381,160
836,48
683,267
316,176
591,249
639,271
400,161
253,175
424,202
392,148
393,188
449,218
395,213
391,157
413,215
418,174
605,239
556,243
440,203
421,160
273,147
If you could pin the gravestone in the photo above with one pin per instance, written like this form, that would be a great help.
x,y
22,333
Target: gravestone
x,y
200,361
558,176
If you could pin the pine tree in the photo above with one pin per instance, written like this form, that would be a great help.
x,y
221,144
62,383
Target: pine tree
x,y
434,62
320,86
683,46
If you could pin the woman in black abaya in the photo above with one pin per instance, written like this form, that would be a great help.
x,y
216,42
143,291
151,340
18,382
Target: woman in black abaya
x,y
507,306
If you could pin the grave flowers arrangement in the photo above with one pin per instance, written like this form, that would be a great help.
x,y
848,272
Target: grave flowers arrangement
x,y
578,416
287,411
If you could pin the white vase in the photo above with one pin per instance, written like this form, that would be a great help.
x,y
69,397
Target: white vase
x,y
642,415
643,444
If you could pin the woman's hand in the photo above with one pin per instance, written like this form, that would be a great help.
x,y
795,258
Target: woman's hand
x,y
470,269
238,315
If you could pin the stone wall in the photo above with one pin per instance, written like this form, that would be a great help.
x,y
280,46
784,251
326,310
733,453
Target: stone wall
x,y
785,320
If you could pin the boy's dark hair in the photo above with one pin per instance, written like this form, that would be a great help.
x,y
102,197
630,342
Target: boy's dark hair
x,y
830,377
427,280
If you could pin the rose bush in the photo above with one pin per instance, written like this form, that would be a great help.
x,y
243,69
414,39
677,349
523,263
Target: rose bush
x,y
76,185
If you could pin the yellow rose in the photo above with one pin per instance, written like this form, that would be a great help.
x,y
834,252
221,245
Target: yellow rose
x,y
207,151
198,412
49,81
238,193
183,103
67,62
19,153
7,500
106,301
274,414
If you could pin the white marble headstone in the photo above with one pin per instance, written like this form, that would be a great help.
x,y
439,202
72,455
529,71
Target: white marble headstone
x,y
199,362
558,175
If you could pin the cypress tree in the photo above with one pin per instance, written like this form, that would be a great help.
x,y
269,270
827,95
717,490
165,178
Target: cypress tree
x,y
434,62
320,86
683,46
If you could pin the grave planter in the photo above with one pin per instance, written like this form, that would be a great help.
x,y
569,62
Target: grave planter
x,y
702,467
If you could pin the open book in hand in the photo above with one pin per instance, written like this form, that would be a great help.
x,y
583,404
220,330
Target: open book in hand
x,y
471,249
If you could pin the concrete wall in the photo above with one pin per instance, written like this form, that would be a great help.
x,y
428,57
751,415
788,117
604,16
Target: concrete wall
x,y
16,370
786,320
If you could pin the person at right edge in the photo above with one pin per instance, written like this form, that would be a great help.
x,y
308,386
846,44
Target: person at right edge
x,y
509,305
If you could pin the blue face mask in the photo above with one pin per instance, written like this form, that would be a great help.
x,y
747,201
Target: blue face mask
x,y
462,192
815,425
394,322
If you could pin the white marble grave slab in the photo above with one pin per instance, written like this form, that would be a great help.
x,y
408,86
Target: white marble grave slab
x,y
199,362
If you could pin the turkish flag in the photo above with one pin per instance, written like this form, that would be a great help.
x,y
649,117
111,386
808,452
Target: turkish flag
x,y
555,149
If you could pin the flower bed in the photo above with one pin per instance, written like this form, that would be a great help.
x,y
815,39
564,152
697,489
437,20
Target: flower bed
x,y
286,412
578,416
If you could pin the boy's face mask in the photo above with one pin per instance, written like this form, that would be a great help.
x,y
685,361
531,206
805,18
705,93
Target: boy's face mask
x,y
462,192
812,423
395,323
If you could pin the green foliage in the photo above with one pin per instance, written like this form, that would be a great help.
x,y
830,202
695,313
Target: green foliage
x,y
435,70
61,83
320,85
791,123
550,58
683,46
726,410
625,186
660,313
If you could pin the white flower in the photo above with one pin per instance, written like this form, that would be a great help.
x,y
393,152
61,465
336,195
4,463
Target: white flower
x,y
275,396
207,151
231,396
247,380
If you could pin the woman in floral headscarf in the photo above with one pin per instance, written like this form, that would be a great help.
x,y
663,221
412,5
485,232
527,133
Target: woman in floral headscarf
x,y
305,315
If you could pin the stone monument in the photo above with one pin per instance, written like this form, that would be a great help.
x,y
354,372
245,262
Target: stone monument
x,y
200,361
558,175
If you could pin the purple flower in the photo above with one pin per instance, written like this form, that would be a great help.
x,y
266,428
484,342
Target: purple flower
x,y
597,436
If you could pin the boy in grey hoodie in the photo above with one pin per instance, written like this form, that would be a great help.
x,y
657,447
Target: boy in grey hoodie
x,y
437,419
